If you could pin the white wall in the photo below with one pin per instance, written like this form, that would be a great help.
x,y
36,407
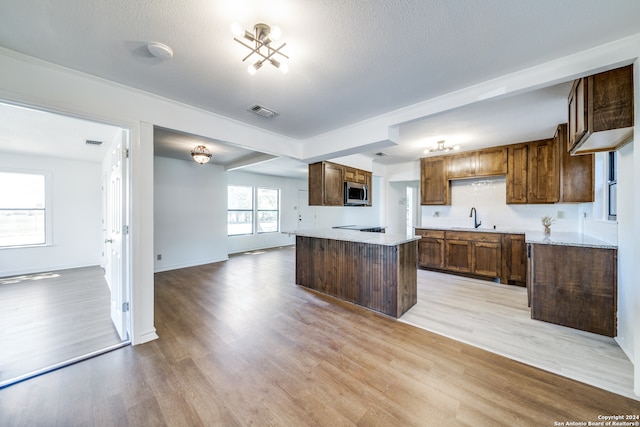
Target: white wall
x,y
626,250
288,210
76,216
190,213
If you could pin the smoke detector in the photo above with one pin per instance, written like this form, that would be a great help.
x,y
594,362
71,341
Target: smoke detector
x,y
263,111
160,50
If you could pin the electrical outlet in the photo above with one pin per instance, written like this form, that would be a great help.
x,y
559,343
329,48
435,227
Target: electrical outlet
x,y
560,214
159,257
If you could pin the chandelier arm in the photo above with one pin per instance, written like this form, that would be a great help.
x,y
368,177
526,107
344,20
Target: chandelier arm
x,y
253,50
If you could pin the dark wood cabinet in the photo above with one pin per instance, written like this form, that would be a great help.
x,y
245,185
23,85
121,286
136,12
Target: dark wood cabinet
x,y
355,175
326,183
543,172
517,166
458,256
577,183
477,164
462,165
491,162
431,248
434,186
514,256
533,174
574,286
475,253
601,111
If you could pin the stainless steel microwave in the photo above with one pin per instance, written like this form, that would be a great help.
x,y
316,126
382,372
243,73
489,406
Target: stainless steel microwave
x,y
355,194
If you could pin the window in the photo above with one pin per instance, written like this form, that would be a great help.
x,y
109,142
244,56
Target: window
x,y
22,209
268,202
240,210
612,186
252,210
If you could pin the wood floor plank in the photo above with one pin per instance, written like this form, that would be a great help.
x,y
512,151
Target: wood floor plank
x,y
495,317
241,344
49,318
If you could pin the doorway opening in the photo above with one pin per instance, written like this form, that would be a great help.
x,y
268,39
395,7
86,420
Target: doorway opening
x,y
64,298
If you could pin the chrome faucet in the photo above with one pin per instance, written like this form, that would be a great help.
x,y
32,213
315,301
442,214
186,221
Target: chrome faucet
x,y
474,214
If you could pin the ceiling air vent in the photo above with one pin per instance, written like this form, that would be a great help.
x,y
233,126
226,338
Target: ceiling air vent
x,y
381,154
92,142
263,111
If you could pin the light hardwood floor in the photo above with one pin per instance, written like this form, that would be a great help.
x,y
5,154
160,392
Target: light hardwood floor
x,y
48,319
496,318
240,344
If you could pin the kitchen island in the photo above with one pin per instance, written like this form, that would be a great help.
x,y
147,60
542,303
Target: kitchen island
x,y
375,270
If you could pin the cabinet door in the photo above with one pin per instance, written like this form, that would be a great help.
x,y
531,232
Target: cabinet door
x,y
431,253
369,182
434,186
333,185
491,162
458,255
514,259
543,173
487,259
576,172
517,164
577,113
461,165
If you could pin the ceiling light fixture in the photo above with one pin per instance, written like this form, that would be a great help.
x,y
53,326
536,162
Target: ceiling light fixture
x,y
440,147
201,154
262,37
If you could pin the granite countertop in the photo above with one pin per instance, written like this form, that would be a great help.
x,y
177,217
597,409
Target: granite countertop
x,y
561,238
384,239
566,239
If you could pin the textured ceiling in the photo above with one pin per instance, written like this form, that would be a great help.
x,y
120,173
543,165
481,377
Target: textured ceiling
x,y
350,60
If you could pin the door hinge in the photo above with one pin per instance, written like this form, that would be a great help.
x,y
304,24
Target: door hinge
x,y
125,153
125,229
125,307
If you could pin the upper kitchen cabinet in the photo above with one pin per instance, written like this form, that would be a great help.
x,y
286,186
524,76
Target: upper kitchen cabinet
x,y
434,186
517,164
477,164
533,174
543,172
601,111
355,175
577,172
326,184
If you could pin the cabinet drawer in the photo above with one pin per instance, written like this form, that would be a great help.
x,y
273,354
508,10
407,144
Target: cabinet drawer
x,y
474,236
435,234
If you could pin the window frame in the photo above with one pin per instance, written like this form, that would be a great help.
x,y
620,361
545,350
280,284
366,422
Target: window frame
x,y
47,209
258,210
255,211
612,183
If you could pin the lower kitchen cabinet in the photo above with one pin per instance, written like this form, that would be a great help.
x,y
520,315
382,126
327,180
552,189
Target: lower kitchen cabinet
x,y
514,257
458,256
431,248
465,252
487,259
575,286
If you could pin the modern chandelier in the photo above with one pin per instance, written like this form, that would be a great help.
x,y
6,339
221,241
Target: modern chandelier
x,y
262,38
201,154
441,147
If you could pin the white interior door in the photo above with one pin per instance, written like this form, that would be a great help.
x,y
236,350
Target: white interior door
x,y
116,236
306,213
